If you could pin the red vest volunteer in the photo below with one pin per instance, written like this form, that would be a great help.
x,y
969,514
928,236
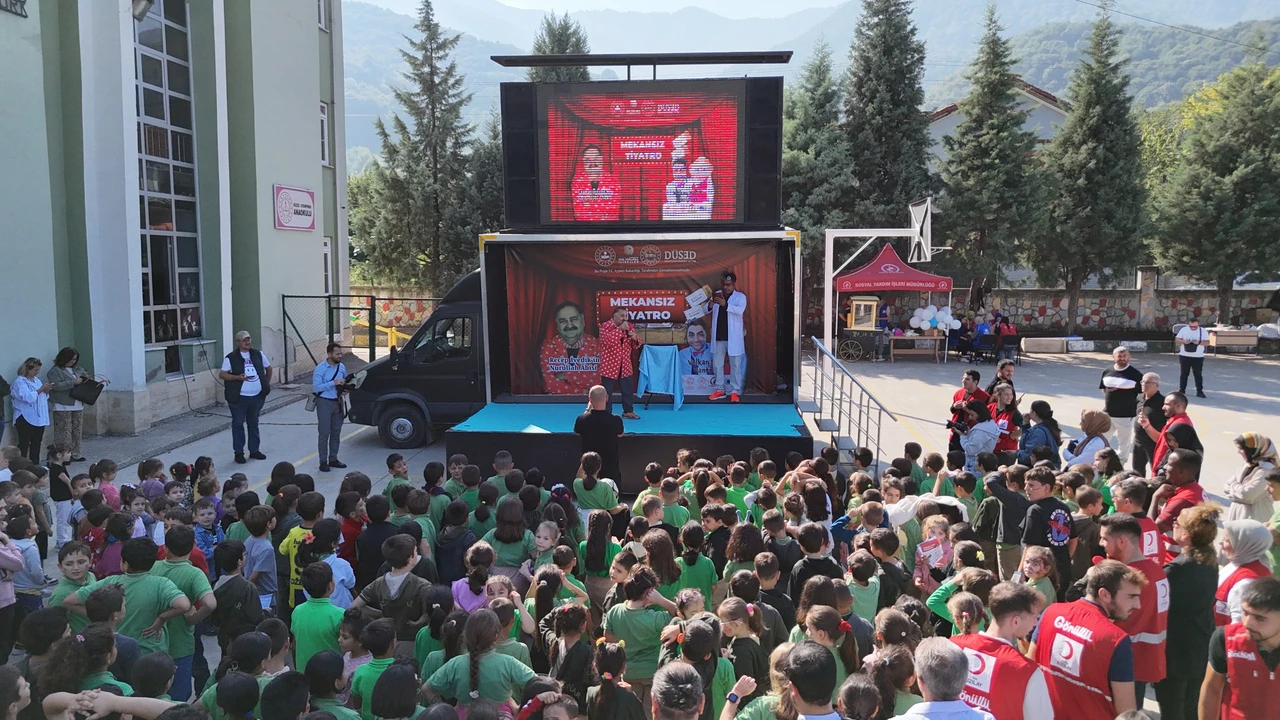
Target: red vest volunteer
x,y
996,664
1083,653
1248,571
1148,625
1244,674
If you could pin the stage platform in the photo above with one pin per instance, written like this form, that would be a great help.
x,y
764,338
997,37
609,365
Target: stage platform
x,y
541,435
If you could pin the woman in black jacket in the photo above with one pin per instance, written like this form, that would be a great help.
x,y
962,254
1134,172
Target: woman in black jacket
x,y
1193,580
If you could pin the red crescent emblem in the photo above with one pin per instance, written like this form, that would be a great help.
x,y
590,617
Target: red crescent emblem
x,y
1067,651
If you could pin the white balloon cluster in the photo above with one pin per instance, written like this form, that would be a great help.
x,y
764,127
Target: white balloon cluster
x,y
933,316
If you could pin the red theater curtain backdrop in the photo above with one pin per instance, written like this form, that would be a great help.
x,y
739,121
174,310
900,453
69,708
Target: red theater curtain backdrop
x,y
543,277
607,120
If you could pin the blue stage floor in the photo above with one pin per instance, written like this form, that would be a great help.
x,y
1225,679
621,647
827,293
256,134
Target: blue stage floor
x,y
722,419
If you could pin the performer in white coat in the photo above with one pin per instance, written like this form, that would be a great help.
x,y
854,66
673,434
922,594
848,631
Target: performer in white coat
x,y
728,337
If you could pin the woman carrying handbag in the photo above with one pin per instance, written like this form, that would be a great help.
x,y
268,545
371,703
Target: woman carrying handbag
x,y
65,377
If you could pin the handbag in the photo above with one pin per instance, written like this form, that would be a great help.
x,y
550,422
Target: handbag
x,y
88,391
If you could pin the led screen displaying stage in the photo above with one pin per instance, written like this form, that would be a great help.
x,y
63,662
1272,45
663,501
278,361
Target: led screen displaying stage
x,y
642,152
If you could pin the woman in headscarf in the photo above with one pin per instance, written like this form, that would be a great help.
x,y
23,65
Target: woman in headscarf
x,y
1247,489
1245,546
1177,436
1040,431
1094,424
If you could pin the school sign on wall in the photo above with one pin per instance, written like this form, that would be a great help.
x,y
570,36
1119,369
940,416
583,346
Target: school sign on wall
x,y
295,208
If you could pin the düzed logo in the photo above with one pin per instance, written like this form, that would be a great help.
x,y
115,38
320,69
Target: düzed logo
x,y
890,269
650,255
605,256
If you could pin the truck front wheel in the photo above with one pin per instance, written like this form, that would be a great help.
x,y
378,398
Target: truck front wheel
x,y
403,426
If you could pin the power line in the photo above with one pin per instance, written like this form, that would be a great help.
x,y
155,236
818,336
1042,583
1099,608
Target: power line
x,y
1182,28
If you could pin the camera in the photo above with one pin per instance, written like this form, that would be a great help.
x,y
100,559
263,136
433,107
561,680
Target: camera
x,y
957,426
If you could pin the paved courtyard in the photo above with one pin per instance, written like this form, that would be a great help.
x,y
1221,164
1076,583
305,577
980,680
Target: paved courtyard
x,y
1242,396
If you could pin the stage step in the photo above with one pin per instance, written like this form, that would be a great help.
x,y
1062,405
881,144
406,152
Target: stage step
x,y
844,442
827,425
807,406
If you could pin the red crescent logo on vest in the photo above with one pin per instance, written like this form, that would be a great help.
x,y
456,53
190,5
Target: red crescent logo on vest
x,y
977,664
1066,651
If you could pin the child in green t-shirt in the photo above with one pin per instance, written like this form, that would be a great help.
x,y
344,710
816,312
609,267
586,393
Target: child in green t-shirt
x,y
697,572
453,487
325,675
493,677
507,620
400,504
864,584
737,491
673,513
433,477
966,483
565,559
754,458
936,480
399,471
379,638
653,473
503,463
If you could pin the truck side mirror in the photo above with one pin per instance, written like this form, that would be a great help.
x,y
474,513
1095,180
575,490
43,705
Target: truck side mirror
x,y
394,355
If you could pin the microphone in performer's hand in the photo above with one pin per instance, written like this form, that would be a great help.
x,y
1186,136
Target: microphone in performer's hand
x,y
595,186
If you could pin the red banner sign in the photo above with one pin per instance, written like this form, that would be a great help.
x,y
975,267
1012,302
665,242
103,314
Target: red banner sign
x,y
643,306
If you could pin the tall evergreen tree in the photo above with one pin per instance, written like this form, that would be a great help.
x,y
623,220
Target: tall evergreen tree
x,y
816,176
990,198
887,131
478,206
560,36
1094,171
424,162
1218,216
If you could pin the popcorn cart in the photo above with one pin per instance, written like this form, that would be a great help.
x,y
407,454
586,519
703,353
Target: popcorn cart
x,y
859,335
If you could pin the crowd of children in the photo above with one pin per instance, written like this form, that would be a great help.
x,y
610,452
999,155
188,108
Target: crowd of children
x,y
516,595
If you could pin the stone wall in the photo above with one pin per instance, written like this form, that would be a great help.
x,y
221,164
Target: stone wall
x,y
404,308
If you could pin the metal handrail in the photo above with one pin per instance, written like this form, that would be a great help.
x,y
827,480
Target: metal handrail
x,y
835,362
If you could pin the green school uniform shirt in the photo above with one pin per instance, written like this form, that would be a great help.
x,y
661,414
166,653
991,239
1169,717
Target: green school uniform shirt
x,y
543,558
482,528
60,592
145,597
511,554
675,514
238,531
424,645
753,481
669,590
471,496
907,553
946,489
398,519
600,497
701,575
500,677
498,481
362,682
905,701
392,484
641,630
566,595
737,497
331,705
315,626
841,674
193,583
721,683
435,660
611,551
691,497
1275,549
436,513
1045,587
454,488
732,567
96,680
637,507
209,698
428,527
514,648
762,708
970,506
918,474
866,598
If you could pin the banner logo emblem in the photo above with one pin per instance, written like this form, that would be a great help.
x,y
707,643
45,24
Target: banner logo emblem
x,y
605,256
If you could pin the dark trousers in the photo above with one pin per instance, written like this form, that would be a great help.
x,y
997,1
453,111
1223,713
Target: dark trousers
x,y
199,664
1141,455
1191,365
329,426
29,437
1140,692
626,386
1179,699
246,412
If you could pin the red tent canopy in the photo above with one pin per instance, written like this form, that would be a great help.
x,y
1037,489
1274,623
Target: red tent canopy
x,y
887,272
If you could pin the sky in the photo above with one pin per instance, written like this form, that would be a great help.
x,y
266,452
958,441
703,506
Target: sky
x,y
727,8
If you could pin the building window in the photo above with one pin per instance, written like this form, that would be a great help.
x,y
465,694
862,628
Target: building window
x,y
172,281
324,135
322,13
328,266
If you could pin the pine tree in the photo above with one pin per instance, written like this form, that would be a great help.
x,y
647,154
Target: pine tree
x,y
478,206
887,132
1218,216
560,36
1094,175
816,177
990,199
423,163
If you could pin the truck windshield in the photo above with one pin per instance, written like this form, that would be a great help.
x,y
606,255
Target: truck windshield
x,y
446,338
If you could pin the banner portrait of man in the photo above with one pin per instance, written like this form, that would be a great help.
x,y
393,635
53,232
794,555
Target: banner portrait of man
x,y
570,359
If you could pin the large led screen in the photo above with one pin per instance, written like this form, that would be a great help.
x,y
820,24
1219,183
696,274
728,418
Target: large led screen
x,y
642,152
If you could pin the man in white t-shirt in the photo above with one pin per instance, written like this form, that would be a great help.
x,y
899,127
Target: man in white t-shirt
x,y
1191,341
246,374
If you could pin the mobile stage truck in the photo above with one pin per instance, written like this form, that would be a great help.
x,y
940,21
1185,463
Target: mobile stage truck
x,y
637,195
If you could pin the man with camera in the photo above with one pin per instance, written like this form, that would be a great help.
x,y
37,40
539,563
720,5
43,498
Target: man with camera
x,y
969,392
1191,341
329,383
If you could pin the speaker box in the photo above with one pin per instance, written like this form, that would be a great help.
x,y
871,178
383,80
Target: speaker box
x,y
520,153
763,138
